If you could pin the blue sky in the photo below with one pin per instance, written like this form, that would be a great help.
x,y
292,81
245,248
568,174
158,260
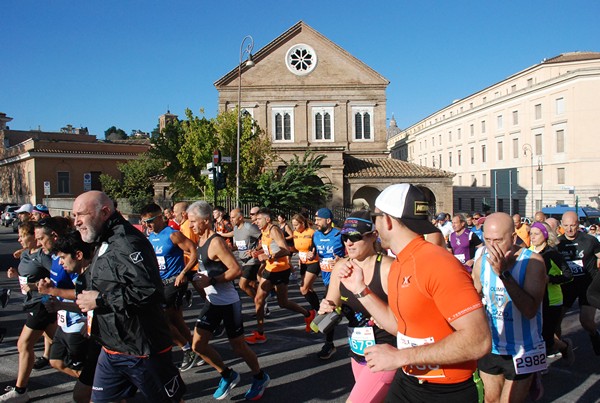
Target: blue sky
x,y
102,63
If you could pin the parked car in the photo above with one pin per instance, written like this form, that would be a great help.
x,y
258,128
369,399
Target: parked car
x,y
9,215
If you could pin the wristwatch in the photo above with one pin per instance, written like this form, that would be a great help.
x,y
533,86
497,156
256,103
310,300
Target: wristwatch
x,y
99,300
366,291
505,275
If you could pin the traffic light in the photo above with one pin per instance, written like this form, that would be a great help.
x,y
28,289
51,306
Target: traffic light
x,y
221,182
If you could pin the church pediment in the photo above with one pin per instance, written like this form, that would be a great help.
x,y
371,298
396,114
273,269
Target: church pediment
x,y
302,57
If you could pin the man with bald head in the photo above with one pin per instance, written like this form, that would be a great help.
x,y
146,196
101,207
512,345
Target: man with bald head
x,y
512,281
581,251
539,216
124,305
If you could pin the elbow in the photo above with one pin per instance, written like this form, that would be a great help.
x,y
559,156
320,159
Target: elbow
x,y
484,345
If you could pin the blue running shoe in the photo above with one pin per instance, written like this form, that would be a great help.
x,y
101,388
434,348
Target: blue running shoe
x,y
226,384
258,388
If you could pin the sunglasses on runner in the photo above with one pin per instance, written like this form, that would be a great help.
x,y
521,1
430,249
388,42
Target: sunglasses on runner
x,y
352,237
149,220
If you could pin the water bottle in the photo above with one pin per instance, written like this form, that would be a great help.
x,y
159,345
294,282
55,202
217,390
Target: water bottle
x,y
324,323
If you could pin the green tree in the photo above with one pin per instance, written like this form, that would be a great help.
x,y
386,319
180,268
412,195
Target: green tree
x,y
291,188
255,147
136,182
113,133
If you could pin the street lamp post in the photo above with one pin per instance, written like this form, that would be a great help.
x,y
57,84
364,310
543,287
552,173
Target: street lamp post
x,y
249,63
527,148
540,169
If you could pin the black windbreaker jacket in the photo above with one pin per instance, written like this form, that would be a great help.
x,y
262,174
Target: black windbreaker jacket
x,y
129,318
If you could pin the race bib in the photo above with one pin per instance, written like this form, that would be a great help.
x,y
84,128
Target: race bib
x,y
241,245
461,258
61,318
419,371
303,257
360,338
576,267
265,249
23,282
162,265
526,362
326,264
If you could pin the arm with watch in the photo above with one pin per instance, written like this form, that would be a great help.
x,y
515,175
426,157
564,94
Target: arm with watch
x,y
351,275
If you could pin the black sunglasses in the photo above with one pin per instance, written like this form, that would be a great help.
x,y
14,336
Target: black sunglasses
x,y
352,237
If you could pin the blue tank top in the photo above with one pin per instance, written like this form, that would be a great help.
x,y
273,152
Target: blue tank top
x,y
511,331
169,255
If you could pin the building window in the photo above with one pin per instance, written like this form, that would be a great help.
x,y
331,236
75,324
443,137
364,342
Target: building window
x,y
440,139
560,106
472,130
515,143
459,157
473,181
472,155
500,151
538,144
530,82
560,176
483,179
301,59
560,141
450,159
450,136
515,117
283,124
440,160
538,111
323,123
483,156
459,180
363,123
63,183
499,122
458,133
433,141
482,126
513,88
538,177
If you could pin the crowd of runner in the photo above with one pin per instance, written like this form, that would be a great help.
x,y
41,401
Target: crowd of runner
x,y
461,308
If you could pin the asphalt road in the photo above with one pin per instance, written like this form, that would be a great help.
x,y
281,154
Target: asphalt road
x,y
289,356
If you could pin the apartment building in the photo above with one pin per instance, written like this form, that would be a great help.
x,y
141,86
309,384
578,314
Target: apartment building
x,y
523,143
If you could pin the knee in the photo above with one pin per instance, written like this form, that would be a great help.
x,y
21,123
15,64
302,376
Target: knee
x,y
23,345
57,364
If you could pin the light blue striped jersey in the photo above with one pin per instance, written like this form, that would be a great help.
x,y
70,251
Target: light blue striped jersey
x,y
511,331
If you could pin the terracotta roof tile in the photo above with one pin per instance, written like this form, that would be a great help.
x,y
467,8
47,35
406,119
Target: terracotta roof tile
x,y
389,168
573,57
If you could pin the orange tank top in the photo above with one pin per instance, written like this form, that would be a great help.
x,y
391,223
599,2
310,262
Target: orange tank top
x,y
270,247
303,242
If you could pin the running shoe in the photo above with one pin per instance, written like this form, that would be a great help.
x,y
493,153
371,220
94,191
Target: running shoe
x,y
226,384
258,387
41,363
568,355
308,320
13,396
198,362
596,342
4,297
256,338
219,331
189,298
327,351
188,360
267,310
